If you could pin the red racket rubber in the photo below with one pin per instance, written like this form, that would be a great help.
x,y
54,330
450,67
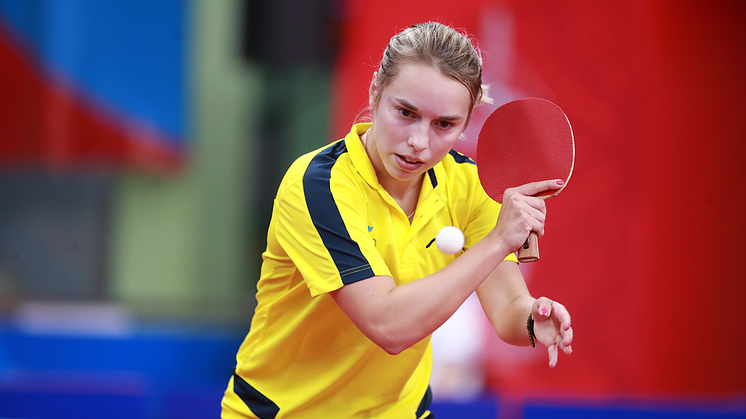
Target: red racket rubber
x,y
523,141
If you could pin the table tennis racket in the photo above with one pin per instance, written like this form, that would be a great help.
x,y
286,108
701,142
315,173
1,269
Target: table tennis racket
x,y
523,141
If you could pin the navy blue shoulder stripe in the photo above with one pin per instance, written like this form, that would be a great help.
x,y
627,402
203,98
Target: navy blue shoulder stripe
x,y
433,179
460,158
345,252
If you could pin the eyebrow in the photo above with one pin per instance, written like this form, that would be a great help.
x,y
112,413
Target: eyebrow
x,y
406,104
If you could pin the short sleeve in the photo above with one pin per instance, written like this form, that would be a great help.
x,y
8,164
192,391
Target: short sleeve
x,y
314,227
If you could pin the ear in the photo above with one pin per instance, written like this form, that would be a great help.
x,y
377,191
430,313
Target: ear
x,y
373,89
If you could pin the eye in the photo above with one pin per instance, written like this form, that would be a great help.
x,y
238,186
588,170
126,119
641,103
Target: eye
x,y
406,113
445,124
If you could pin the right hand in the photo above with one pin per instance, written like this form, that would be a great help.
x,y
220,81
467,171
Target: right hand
x,y
522,213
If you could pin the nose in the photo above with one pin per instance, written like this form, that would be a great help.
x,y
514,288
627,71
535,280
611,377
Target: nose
x,y
419,138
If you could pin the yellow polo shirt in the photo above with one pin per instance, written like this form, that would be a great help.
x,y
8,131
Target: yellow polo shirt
x,y
333,224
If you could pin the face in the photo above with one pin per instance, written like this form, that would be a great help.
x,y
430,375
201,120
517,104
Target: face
x,y
418,119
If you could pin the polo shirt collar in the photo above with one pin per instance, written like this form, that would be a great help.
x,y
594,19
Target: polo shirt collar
x,y
364,166
359,156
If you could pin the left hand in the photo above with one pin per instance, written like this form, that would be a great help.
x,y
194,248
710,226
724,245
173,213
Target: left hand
x,y
552,328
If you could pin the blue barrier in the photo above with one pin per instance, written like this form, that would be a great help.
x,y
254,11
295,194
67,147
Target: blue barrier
x,y
170,372
160,372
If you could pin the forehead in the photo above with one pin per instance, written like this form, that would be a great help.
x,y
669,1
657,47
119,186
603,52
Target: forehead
x,y
426,88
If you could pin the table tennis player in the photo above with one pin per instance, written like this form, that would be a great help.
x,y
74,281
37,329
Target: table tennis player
x,y
351,284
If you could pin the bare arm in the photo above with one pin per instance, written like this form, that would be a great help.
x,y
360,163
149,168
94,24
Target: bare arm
x,y
396,318
507,303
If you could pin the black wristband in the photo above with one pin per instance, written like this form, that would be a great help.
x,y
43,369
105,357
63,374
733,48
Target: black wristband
x,y
530,328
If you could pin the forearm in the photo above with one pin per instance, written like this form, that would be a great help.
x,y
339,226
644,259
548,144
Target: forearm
x,y
507,303
397,317
510,325
422,306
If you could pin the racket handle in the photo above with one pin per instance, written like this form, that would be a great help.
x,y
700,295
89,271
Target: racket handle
x,y
529,252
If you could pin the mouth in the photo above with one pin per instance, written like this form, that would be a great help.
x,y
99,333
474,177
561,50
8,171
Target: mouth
x,y
409,163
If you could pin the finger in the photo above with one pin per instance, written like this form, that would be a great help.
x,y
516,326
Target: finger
x,y
534,188
567,350
563,315
543,307
567,336
527,212
553,355
565,343
528,218
529,205
537,216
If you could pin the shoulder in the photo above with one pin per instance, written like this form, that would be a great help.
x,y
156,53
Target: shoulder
x,y
459,169
459,158
458,178
316,165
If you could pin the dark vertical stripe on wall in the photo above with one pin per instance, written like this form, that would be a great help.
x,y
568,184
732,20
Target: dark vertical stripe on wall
x,y
291,32
324,212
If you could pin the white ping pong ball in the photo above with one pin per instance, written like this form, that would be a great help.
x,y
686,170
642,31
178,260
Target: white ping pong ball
x,y
450,240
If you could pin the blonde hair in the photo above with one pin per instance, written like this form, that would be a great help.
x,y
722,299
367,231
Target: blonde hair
x,y
453,53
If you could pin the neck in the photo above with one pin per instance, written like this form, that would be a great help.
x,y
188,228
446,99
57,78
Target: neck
x,y
405,192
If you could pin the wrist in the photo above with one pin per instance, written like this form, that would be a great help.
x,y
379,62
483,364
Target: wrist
x,y
530,329
500,249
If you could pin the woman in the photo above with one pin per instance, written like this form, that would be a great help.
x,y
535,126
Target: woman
x,y
350,288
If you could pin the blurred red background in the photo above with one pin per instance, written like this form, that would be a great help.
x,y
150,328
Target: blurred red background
x,y
644,246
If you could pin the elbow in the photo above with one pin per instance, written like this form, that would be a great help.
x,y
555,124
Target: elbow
x,y
391,341
393,348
